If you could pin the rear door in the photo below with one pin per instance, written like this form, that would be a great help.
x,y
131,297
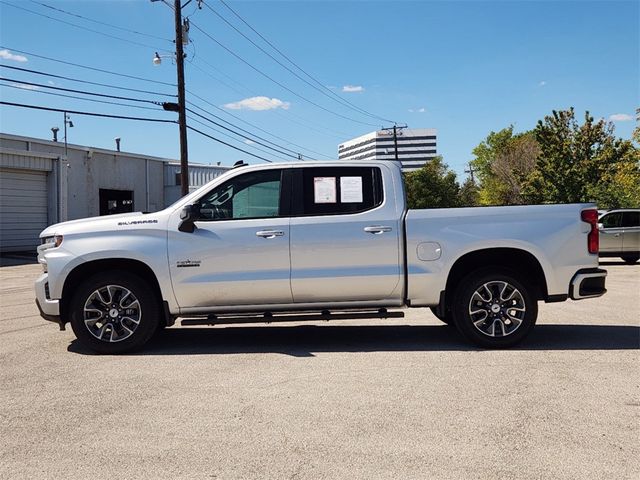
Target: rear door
x,y
344,236
631,226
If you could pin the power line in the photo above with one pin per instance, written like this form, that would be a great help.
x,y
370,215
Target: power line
x,y
241,135
81,27
234,139
250,124
124,29
90,114
288,142
322,89
53,75
225,143
104,95
204,32
89,68
327,132
18,87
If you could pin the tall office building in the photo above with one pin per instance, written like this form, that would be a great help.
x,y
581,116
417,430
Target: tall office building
x,y
415,147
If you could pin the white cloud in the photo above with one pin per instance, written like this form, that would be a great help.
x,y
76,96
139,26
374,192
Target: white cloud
x,y
24,86
542,83
353,88
249,142
417,110
7,55
258,103
422,110
620,117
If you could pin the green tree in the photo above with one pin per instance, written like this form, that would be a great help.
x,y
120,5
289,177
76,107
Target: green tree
x,y
433,186
504,162
469,194
580,163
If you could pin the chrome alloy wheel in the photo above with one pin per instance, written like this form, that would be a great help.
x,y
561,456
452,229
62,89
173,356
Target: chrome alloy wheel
x,y
112,313
497,309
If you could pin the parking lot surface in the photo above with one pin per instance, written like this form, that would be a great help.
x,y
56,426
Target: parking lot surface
x,y
397,399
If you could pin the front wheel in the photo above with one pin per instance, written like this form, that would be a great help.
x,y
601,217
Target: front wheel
x,y
447,318
493,309
114,312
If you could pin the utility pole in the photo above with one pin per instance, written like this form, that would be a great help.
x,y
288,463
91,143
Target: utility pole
x,y
395,136
471,172
182,116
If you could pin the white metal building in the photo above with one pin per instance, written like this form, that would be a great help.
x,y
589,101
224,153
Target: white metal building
x,y
39,186
415,147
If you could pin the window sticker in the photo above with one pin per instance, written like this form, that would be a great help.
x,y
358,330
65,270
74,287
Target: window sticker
x,y
324,190
351,189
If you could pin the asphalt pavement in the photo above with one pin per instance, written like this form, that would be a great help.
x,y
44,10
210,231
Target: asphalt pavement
x,y
392,399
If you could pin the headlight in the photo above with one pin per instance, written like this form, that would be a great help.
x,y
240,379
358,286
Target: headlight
x,y
52,242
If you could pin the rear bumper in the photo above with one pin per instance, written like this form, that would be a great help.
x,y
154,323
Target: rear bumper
x,y
588,283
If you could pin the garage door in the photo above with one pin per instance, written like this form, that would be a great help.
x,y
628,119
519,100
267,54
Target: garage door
x,y
23,209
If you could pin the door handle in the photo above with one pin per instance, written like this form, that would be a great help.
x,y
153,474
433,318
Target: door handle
x,y
377,229
270,233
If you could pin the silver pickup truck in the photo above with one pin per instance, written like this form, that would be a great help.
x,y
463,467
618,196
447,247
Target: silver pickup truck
x,y
314,241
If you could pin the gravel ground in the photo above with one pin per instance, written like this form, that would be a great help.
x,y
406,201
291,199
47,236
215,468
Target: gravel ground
x,y
393,399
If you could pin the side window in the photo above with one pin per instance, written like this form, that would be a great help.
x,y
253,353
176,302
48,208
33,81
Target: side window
x,y
340,190
612,220
252,195
631,219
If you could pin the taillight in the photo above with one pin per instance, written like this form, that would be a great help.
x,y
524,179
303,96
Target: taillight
x,y
591,217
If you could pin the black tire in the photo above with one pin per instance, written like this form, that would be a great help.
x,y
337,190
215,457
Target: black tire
x,y
630,259
103,315
509,307
447,318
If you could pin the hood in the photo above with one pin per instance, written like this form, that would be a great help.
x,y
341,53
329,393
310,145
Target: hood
x,y
106,222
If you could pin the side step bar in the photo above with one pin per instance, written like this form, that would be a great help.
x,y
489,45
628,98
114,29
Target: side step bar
x,y
268,317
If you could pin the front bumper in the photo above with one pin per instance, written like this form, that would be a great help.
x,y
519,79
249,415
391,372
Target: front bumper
x,y
49,309
588,283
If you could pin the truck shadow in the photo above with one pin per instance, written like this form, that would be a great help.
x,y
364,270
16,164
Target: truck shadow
x,y
305,340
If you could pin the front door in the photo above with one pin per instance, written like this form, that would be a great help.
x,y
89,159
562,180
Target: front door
x,y
344,236
239,252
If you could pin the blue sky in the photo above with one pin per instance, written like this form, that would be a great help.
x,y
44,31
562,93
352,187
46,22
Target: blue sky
x,y
464,68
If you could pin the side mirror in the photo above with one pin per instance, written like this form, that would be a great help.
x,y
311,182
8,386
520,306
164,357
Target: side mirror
x,y
600,226
188,215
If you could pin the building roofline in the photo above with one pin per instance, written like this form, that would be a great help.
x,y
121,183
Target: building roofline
x,y
10,136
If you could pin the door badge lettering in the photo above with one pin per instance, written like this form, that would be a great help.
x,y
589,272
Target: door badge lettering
x,y
188,263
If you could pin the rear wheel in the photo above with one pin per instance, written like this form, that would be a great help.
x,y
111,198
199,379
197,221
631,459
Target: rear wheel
x,y
630,259
494,309
114,312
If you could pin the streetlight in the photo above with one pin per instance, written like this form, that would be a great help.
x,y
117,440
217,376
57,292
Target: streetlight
x,y
67,122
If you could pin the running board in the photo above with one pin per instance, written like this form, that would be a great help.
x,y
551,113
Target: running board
x,y
268,317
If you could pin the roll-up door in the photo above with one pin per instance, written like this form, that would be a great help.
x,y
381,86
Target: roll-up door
x,y
23,208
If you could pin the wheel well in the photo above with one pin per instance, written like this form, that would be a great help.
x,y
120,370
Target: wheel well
x,y
84,271
525,265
